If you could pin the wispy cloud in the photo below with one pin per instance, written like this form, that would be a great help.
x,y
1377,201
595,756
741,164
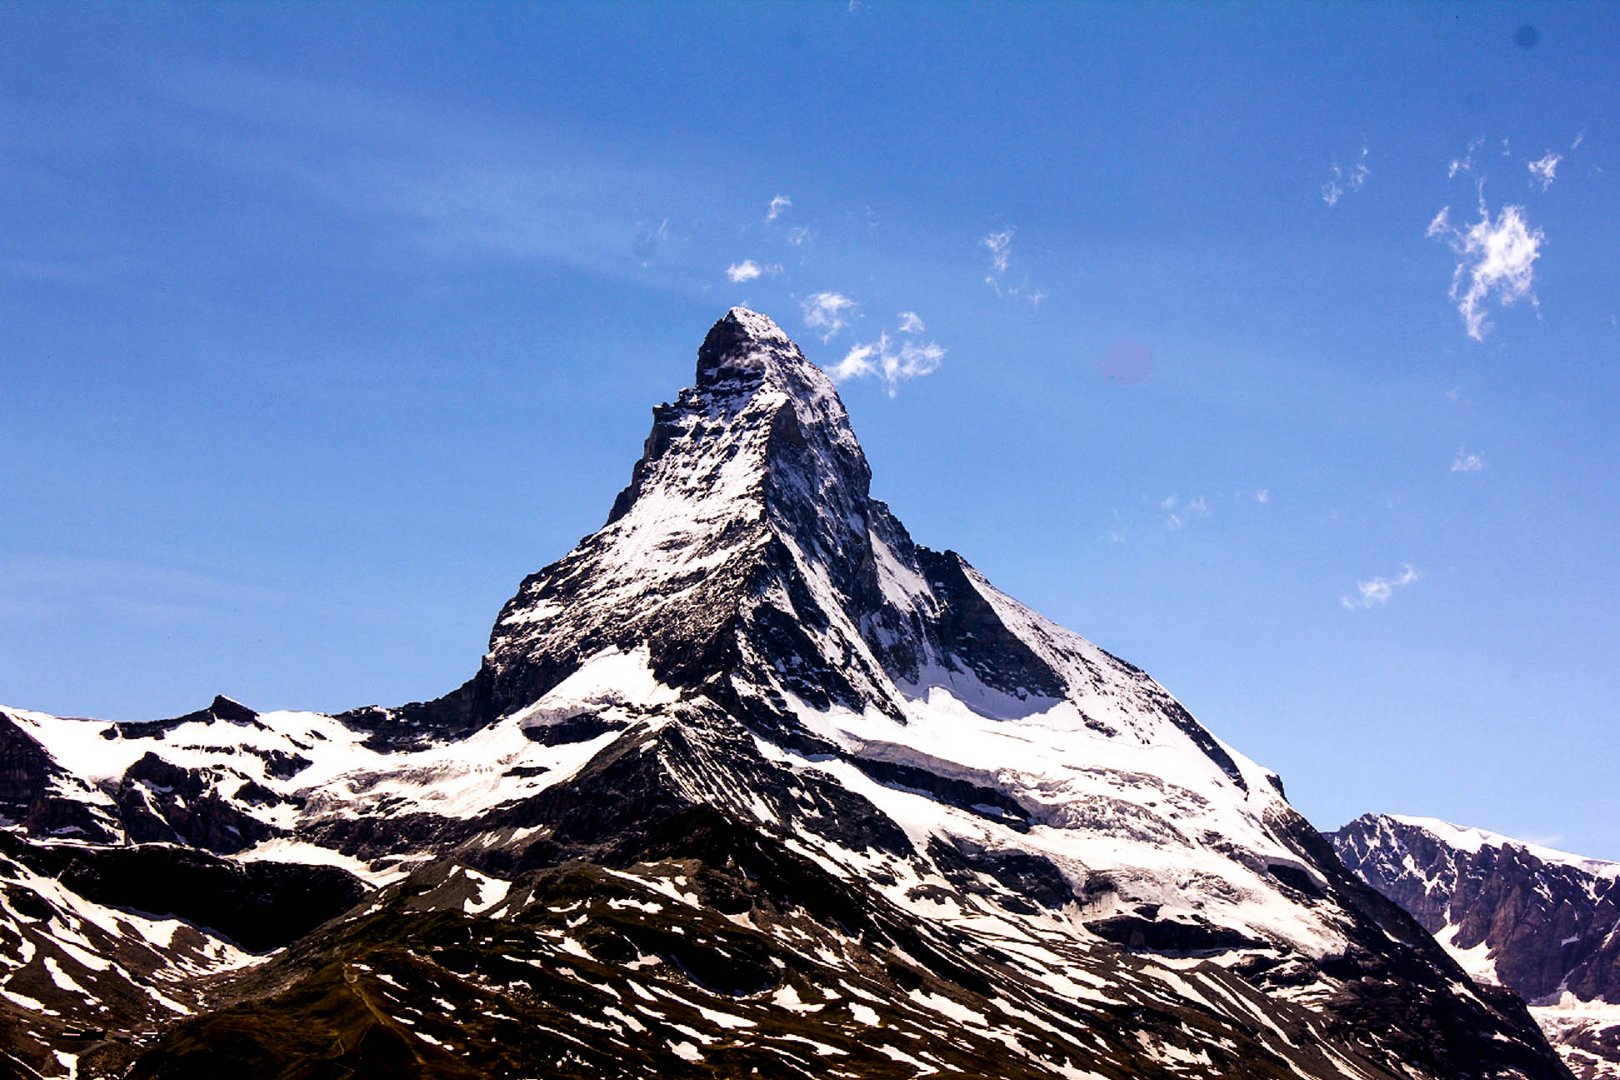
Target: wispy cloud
x,y
911,323
1344,180
779,203
1545,170
1466,462
1263,496
1178,513
999,244
649,240
827,313
1496,261
1377,592
890,362
799,235
1464,164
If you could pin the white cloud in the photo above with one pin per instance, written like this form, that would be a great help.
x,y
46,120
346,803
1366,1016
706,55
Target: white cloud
x,y
910,323
1465,462
798,236
1263,496
1343,180
1379,590
1497,262
827,313
894,365
779,203
1580,137
748,270
1543,172
856,362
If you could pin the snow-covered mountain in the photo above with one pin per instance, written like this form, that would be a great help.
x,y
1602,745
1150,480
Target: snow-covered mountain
x,y
1543,923
746,781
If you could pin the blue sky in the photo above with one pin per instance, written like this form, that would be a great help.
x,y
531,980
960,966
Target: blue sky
x,y
324,325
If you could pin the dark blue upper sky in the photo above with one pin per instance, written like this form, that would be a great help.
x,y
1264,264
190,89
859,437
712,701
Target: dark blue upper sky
x,y
323,325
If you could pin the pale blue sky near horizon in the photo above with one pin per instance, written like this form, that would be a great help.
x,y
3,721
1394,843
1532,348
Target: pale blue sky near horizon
x,y
324,325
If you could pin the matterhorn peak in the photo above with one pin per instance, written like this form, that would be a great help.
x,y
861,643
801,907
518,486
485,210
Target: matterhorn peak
x,y
747,359
743,346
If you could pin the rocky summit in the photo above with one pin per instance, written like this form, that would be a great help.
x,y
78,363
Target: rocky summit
x,y
1543,923
747,784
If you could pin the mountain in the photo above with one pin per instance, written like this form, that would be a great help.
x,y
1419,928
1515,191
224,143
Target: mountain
x,y
1544,923
748,783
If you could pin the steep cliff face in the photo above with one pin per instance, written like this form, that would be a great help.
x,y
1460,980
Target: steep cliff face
x,y
1543,923
750,780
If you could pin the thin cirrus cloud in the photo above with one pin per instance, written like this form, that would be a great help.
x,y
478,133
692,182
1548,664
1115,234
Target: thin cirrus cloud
x,y
1496,262
1466,462
999,244
779,203
827,313
452,183
1342,181
893,360
1377,592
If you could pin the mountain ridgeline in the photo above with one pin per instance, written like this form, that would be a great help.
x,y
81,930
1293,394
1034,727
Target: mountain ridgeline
x,y
748,783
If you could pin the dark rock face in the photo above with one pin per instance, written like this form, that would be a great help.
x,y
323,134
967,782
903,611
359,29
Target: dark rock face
x,y
258,905
979,639
30,790
163,803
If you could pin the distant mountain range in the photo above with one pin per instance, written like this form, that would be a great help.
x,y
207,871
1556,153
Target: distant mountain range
x,y
1544,923
748,783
